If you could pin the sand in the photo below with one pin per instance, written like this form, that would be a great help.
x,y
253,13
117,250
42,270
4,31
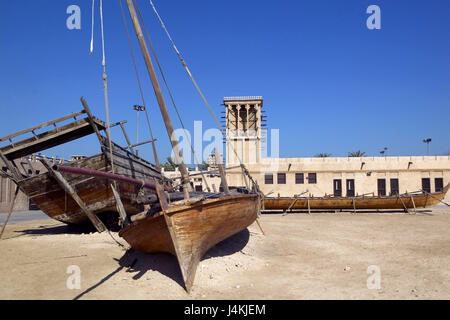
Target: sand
x,y
301,256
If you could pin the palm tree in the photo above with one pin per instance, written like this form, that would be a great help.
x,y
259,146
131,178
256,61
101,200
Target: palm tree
x,y
169,165
323,155
358,153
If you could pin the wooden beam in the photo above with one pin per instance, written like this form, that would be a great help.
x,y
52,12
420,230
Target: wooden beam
x,y
142,143
98,224
159,97
43,125
126,138
11,207
92,122
260,227
414,205
290,206
48,139
223,177
125,221
161,196
14,171
404,206
244,177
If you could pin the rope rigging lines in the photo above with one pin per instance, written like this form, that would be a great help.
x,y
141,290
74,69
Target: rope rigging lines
x,y
183,62
140,86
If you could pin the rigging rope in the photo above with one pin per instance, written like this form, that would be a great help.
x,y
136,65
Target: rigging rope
x,y
92,33
183,62
140,86
169,91
105,89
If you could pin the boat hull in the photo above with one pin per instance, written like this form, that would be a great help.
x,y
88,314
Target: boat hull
x,y
96,193
357,203
188,232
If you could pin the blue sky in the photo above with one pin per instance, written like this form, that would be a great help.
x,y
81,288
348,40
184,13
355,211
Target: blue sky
x,y
328,82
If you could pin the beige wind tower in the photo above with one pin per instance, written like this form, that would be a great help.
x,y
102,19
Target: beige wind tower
x,y
243,118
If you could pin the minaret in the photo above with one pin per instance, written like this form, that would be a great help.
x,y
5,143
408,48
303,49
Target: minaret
x,y
243,120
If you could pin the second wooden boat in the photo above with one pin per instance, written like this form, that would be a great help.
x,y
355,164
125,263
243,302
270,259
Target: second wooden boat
x,y
190,227
403,202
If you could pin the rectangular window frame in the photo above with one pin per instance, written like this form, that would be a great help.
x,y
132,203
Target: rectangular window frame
x,y
348,184
381,191
281,178
438,184
337,187
299,178
395,186
268,178
312,180
425,182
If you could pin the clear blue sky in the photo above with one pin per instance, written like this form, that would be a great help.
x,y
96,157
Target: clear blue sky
x,y
329,83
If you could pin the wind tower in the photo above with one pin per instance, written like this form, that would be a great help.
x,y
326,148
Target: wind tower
x,y
243,119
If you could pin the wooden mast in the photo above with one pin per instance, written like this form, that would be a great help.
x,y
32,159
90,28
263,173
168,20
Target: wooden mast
x,y
161,103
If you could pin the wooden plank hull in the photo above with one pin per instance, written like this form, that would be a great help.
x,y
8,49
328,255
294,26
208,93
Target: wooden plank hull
x,y
358,203
188,232
96,193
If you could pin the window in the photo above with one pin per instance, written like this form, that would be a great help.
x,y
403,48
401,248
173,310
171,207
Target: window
x,y
199,188
426,185
281,178
438,184
381,187
337,188
394,187
350,187
268,178
299,178
312,178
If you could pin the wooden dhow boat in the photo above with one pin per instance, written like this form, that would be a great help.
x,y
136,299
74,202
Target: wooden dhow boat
x,y
406,201
67,196
187,228
185,224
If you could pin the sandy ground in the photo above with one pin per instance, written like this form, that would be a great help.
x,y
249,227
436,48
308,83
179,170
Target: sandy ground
x,y
317,256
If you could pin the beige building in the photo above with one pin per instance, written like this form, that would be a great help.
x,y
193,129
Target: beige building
x,y
322,176
344,176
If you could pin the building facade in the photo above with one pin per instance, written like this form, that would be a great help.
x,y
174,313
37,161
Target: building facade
x,y
344,176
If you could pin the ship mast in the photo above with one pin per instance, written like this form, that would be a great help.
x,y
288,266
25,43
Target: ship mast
x,y
161,103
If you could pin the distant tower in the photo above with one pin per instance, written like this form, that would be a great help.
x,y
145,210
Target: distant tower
x,y
243,123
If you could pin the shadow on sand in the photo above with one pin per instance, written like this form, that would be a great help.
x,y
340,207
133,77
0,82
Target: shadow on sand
x,y
55,230
139,263
109,219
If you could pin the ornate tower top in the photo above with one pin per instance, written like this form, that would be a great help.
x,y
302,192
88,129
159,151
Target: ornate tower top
x,y
243,119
